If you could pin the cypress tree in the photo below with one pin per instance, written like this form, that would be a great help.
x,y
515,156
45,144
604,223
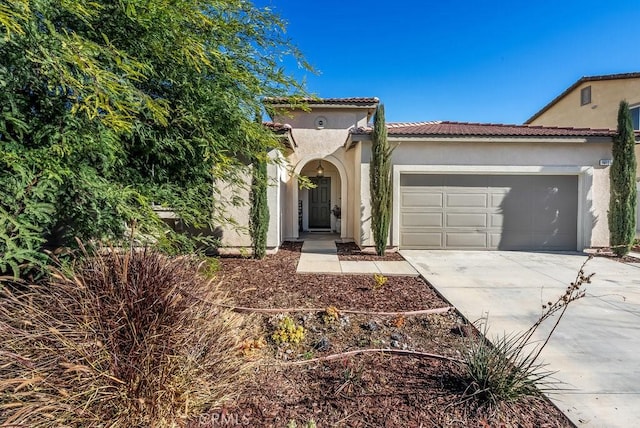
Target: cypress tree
x,y
622,203
380,182
259,211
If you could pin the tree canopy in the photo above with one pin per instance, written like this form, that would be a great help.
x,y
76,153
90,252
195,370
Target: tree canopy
x,y
110,106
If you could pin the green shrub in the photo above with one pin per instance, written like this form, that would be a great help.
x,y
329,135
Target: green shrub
x,y
287,331
134,339
496,373
379,281
623,192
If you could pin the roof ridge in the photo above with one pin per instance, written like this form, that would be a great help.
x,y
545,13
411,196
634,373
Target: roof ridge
x,y
401,124
525,125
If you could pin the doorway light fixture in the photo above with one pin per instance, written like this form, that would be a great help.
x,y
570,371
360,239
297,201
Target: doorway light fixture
x,y
320,170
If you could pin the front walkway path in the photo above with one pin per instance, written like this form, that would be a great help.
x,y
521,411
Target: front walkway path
x,y
320,255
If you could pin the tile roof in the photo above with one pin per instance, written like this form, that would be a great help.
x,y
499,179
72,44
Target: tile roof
x,y
579,82
282,129
466,129
358,101
277,127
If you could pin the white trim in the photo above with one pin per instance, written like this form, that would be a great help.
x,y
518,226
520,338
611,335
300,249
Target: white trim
x,y
585,191
344,196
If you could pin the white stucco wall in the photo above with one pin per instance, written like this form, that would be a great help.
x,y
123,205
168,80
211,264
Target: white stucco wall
x,y
480,157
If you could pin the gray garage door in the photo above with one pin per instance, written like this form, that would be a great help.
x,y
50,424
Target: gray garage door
x,y
488,212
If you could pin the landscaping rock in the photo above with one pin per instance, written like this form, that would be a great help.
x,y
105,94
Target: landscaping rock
x,y
370,326
396,336
324,344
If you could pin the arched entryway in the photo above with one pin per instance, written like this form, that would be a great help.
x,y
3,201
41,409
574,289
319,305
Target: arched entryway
x,y
317,208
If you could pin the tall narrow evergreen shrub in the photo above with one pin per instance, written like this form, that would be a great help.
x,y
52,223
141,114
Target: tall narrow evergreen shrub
x,y
380,182
622,203
259,211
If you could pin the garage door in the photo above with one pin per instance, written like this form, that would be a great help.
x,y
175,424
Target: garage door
x,y
488,212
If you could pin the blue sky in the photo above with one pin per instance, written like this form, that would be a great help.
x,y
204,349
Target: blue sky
x,y
475,61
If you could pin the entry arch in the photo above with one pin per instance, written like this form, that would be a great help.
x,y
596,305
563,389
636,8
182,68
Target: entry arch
x,y
344,193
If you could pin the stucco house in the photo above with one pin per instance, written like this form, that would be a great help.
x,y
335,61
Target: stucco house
x,y
592,102
455,185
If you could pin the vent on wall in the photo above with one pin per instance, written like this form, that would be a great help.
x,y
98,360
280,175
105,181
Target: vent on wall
x,y
321,122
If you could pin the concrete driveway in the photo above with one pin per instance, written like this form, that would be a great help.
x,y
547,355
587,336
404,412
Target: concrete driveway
x,y
596,348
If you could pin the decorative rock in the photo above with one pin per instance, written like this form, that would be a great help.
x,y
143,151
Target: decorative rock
x,y
396,336
345,321
323,344
370,326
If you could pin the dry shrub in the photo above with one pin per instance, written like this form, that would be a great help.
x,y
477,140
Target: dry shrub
x,y
131,340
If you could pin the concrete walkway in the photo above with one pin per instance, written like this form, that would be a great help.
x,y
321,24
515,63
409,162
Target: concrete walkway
x,y
320,255
596,348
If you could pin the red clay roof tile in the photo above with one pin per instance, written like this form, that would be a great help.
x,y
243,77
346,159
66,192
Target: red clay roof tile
x,y
452,129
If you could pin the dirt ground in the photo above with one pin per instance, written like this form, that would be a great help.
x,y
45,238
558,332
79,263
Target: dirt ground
x,y
290,388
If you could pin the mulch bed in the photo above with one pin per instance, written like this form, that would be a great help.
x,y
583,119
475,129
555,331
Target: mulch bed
x,y
349,251
609,254
366,390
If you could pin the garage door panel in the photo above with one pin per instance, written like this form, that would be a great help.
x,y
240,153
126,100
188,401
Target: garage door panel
x,y
422,199
495,220
466,220
466,239
555,241
410,219
515,239
417,239
509,212
466,200
496,199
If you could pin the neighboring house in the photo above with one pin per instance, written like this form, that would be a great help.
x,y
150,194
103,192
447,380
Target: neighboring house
x,y
456,185
592,102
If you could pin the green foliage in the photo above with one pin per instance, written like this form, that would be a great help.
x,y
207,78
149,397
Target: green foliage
x,y
379,281
259,209
133,338
330,315
623,199
112,106
380,182
288,332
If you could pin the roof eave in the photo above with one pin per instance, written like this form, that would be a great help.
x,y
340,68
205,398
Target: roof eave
x,y
502,139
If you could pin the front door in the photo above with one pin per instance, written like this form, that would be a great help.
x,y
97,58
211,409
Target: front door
x,y
320,204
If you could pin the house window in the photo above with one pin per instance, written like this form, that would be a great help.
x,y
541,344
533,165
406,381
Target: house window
x,y
585,95
635,117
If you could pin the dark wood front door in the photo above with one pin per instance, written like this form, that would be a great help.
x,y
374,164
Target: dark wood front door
x,y
320,204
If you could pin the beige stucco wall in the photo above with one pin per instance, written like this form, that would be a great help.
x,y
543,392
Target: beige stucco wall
x,y
326,144
235,233
602,112
505,157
